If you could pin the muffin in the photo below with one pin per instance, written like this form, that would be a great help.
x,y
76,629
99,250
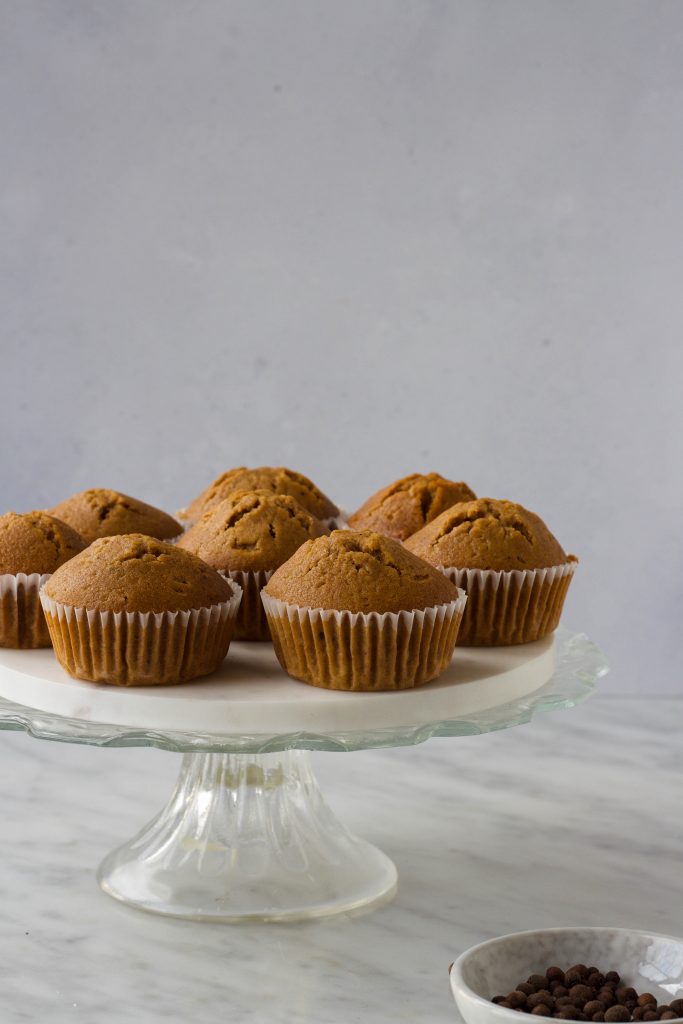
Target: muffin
x,y
134,611
405,506
99,512
246,537
356,611
515,573
32,546
278,480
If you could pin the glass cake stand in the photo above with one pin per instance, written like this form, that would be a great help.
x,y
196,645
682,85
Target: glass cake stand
x,y
246,833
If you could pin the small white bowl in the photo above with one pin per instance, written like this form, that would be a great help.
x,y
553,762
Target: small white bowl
x,y
648,962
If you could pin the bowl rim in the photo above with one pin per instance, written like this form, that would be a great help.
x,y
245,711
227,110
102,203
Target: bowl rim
x,y
458,983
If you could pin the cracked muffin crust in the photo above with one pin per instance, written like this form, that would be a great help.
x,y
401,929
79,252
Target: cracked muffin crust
x,y
359,571
488,534
135,573
405,506
277,480
32,545
247,536
404,638
131,610
101,512
251,530
35,542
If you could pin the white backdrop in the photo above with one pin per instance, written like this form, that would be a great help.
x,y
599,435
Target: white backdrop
x,y
361,239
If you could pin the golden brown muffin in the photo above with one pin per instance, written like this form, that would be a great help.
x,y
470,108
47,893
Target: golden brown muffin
x,y
515,573
178,613
32,545
100,512
404,507
247,536
277,480
403,636
35,542
487,534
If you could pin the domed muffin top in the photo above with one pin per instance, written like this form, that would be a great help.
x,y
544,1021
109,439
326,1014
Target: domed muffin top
x,y
404,507
135,573
35,542
359,571
277,480
100,512
251,530
488,534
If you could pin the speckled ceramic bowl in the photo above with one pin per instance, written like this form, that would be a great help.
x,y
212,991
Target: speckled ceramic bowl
x,y
649,962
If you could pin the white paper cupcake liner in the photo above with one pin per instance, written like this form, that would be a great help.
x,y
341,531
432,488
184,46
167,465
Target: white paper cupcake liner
x,y
515,607
341,650
251,623
22,623
141,648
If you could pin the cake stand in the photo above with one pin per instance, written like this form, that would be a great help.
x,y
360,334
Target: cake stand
x,y
246,833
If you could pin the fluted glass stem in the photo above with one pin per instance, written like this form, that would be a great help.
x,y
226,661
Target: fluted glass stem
x,y
247,836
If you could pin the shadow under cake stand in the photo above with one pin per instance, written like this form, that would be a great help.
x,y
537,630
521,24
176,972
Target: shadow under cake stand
x,y
246,833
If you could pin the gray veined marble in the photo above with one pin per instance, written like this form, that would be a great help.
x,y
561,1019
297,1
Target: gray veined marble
x,y
575,819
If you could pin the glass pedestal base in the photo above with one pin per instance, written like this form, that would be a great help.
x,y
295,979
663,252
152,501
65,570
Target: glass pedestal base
x,y
247,837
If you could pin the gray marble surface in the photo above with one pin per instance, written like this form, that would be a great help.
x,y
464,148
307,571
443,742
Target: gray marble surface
x,y
575,819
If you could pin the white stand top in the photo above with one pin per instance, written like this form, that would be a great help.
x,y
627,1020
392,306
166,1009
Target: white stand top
x,y
251,694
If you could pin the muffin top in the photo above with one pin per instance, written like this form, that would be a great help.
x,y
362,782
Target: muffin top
x,y
277,480
135,573
404,507
359,571
99,512
488,534
251,530
35,542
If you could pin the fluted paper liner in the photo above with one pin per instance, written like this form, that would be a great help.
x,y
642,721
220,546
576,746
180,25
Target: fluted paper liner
x,y
514,607
141,648
251,621
22,623
341,650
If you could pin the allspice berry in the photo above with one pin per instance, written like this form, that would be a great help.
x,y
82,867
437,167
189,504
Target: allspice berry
x,y
542,1011
617,1013
646,999
581,994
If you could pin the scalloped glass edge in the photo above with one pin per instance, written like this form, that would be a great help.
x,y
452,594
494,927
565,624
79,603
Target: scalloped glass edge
x,y
580,664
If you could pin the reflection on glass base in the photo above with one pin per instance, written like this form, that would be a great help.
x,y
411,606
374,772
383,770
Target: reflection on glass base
x,y
247,837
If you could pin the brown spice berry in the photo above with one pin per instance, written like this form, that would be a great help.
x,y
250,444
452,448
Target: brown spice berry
x,y
646,999
637,1013
558,989
525,988
498,999
542,1011
599,1015
595,979
650,1015
555,974
567,1014
662,1010
593,1006
516,999
580,994
563,1001
606,997
613,976
616,1014
542,998
626,995
677,1007
668,1015
539,981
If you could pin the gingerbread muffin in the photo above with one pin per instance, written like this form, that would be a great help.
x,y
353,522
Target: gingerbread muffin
x,y
100,512
277,480
405,506
32,546
247,537
356,611
133,611
516,574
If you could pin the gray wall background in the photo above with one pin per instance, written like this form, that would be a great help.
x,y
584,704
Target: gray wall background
x,y
360,239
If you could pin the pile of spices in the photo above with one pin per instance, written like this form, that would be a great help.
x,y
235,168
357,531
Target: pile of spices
x,y
585,993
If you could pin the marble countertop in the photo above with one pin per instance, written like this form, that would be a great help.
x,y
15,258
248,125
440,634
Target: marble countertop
x,y
574,819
